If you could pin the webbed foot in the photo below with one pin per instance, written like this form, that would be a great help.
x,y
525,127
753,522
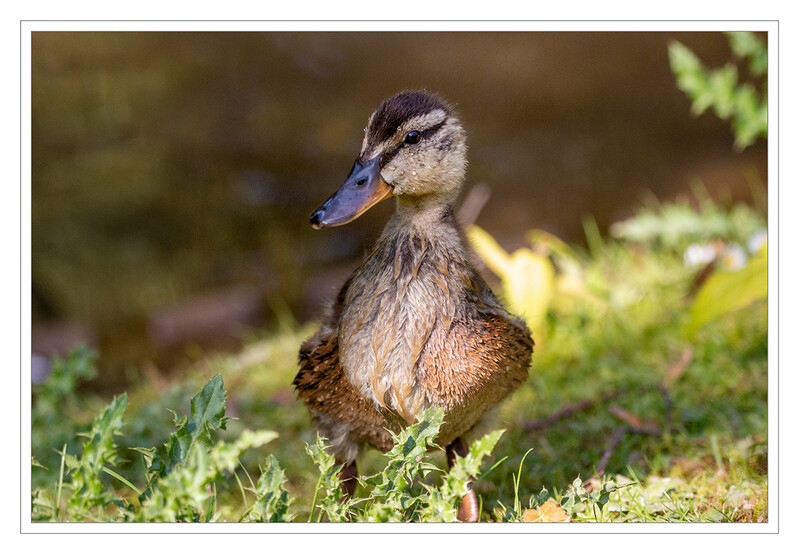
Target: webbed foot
x,y
469,508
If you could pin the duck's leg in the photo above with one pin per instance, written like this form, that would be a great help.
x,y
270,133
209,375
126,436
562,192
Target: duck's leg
x,y
468,509
349,478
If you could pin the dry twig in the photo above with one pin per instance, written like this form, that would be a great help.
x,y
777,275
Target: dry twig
x,y
634,424
570,410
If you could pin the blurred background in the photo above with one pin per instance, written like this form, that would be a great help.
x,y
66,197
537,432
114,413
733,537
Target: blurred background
x,y
174,173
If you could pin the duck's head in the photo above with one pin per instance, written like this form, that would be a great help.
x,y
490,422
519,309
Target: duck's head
x,y
414,147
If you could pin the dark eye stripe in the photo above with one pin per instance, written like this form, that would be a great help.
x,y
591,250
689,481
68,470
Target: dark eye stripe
x,y
434,129
386,157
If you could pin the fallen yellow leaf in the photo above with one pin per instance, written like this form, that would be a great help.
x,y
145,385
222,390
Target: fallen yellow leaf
x,y
548,512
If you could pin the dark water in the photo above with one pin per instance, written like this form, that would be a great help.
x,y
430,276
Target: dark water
x,y
174,173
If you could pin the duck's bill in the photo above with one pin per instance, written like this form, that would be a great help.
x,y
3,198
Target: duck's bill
x,y
363,189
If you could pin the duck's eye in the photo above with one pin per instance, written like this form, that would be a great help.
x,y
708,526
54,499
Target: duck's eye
x,y
413,137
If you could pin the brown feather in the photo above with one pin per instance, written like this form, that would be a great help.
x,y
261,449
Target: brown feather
x,y
415,326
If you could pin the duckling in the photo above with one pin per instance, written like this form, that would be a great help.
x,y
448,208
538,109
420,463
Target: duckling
x,y
415,326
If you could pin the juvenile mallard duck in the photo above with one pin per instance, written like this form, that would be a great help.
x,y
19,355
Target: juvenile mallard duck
x,y
415,326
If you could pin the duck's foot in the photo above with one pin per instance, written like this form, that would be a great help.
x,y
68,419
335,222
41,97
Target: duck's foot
x,y
468,508
348,476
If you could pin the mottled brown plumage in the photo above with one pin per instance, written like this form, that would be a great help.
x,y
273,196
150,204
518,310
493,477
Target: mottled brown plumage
x,y
415,326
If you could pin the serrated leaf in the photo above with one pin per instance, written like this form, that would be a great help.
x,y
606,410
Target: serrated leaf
x,y
746,44
207,414
720,89
414,439
333,504
271,498
178,446
254,439
485,445
208,409
89,491
682,60
147,454
225,456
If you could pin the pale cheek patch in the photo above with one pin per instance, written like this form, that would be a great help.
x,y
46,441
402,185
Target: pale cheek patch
x,y
441,166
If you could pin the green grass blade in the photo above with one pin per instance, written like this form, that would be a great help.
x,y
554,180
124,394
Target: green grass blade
x,y
117,476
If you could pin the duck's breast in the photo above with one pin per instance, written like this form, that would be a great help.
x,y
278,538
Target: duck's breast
x,y
405,290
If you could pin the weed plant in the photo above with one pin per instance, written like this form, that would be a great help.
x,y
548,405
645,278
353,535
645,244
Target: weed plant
x,y
634,410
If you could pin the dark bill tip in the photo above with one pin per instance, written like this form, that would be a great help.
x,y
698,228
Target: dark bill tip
x,y
316,218
363,189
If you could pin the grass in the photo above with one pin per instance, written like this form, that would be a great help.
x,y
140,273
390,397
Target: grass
x,y
671,425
